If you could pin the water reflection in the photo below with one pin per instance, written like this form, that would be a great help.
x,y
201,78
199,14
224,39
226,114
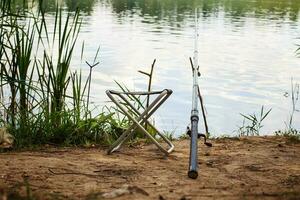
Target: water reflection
x,y
179,10
246,53
84,5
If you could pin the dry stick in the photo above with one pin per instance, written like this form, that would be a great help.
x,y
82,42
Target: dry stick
x,y
150,75
201,101
203,112
90,80
73,173
150,81
149,88
84,174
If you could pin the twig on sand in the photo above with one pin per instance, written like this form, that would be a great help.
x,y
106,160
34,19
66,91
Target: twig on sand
x,y
71,173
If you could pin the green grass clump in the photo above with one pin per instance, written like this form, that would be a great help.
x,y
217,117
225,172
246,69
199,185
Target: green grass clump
x,y
292,135
41,99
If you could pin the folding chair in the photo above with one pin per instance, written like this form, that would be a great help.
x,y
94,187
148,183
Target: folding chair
x,y
139,118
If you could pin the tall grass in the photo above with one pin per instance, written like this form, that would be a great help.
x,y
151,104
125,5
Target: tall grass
x,y
252,123
42,100
291,131
295,89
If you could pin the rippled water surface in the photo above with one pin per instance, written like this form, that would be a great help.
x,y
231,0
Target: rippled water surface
x,y
246,55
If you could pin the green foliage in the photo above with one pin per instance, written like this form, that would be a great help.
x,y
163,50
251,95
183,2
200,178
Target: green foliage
x,y
138,103
226,136
170,135
295,89
252,123
184,136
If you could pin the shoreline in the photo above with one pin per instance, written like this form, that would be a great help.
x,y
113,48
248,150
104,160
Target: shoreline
x,y
265,167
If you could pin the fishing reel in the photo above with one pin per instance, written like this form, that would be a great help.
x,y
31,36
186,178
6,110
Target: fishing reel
x,y
189,132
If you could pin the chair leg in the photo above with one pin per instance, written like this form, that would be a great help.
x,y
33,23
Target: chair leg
x,y
137,122
170,144
153,107
118,143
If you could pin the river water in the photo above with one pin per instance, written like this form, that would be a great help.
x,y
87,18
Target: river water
x,y
246,55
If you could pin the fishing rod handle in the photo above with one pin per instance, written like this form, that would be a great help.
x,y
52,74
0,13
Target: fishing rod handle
x,y
193,163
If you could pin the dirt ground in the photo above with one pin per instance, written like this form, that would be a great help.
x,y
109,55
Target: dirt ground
x,y
246,168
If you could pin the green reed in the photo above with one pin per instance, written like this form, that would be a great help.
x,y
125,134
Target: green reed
x,y
290,132
41,99
252,123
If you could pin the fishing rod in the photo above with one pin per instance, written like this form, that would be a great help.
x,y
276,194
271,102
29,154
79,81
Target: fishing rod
x,y
196,95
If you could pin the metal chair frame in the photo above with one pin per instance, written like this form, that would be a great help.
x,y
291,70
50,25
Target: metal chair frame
x,y
138,118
